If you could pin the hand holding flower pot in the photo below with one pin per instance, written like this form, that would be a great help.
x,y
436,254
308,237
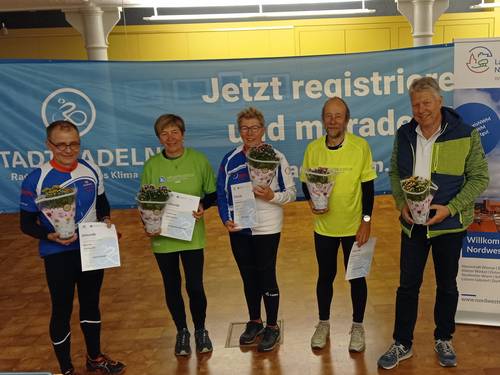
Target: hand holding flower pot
x,y
319,182
58,205
419,193
262,164
151,202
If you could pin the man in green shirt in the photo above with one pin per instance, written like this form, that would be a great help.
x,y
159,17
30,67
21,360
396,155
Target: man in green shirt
x,y
436,145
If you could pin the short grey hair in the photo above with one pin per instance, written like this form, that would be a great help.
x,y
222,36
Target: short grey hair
x,y
425,84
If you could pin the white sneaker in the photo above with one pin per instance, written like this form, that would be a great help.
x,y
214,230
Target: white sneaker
x,y
357,343
320,336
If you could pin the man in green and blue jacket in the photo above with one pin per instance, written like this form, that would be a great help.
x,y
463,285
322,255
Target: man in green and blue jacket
x,y
436,145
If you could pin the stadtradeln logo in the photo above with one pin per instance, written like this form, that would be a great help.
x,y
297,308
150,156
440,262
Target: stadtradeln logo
x,y
71,105
479,59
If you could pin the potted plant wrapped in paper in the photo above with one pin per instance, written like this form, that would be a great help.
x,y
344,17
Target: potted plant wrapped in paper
x,y
419,192
58,205
151,202
262,164
319,182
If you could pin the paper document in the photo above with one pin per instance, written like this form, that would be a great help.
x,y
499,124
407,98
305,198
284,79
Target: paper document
x,y
98,246
360,260
244,205
178,220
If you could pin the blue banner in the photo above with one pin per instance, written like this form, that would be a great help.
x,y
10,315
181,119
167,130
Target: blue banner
x,y
115,105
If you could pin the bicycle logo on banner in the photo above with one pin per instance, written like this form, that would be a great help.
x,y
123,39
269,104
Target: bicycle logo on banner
x,y
71,105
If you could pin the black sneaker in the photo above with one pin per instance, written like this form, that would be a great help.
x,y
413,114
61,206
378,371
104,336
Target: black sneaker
x,y
203,343
182,346
71,371
252,330
270,339
105,365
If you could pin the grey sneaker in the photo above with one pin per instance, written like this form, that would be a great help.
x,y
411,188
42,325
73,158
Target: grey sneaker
x,y
320,336
396,352
446,353
357,343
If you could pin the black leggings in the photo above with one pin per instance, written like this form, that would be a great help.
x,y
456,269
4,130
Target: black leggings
x,y
192,262
256,259
326,255
63,272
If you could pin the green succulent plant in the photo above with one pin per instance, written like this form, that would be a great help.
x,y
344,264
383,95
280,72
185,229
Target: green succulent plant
x,y
415,185
262,157
57,191
320,175
151,197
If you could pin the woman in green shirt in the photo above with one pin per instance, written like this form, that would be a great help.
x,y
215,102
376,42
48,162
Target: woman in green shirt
x,y
182,170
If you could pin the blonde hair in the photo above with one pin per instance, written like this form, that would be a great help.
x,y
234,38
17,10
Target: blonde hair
x,y
249,113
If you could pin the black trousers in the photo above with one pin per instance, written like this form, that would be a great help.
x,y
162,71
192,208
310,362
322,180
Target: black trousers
x,y
256,260
326,255
414,252
63,272
192,262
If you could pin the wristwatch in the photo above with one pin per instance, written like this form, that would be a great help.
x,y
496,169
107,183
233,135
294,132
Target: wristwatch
x,y
367,218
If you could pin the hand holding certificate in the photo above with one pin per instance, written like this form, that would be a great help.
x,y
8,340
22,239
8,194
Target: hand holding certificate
x,y
98,246
178,221
360,260
244,205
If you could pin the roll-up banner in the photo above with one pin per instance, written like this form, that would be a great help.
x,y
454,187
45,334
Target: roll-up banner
x,y
477,99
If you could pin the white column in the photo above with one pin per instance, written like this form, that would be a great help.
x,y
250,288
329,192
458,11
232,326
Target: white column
x,y
94,24
422,15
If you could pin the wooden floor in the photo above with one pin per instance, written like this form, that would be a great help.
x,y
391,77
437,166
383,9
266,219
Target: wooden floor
x,y
138,330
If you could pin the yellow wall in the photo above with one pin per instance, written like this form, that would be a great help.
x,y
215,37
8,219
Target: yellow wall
x,y
230,40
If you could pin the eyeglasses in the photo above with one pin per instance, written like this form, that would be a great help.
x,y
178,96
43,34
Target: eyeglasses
x,y
246,129
73,146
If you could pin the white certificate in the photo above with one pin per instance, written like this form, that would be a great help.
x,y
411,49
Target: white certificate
x,y
178,220
360,260
98,246
244,205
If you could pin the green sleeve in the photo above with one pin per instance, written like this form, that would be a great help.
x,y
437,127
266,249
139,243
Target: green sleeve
x,y
476,176
397,192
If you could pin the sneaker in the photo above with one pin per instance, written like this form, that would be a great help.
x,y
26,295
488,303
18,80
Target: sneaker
x,y
182,346
446,353
318,339
105,365
252,330
203,343
269,340
396,352
357,343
